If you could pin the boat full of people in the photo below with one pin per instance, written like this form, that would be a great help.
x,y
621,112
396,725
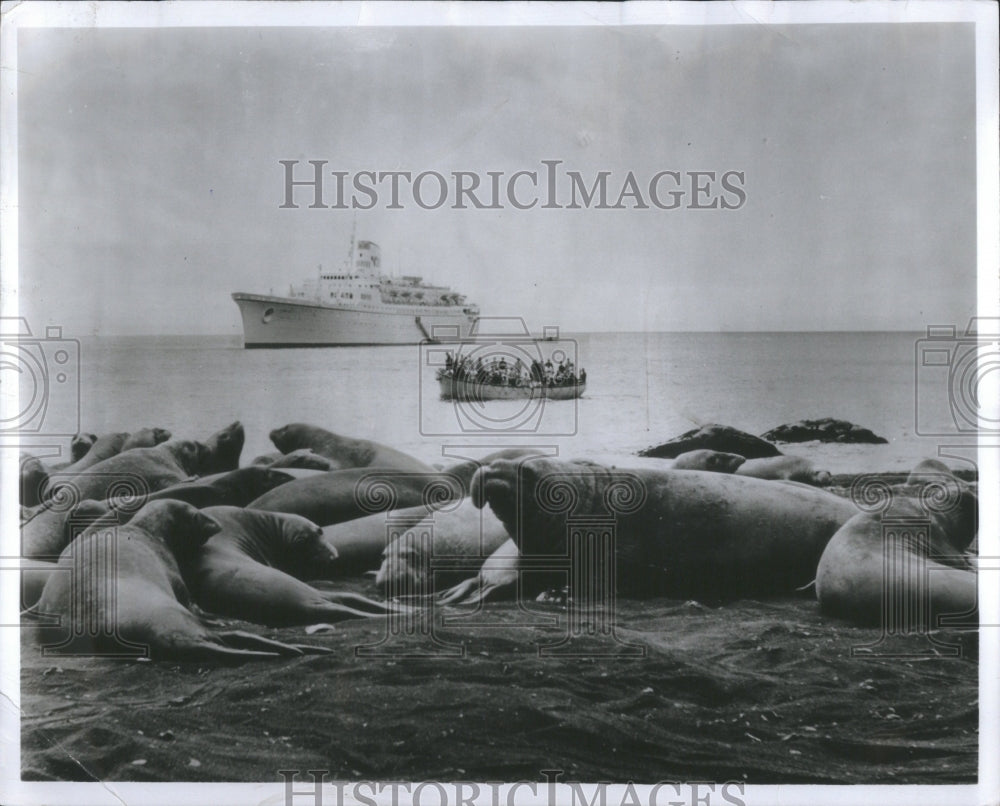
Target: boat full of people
x,y
465,378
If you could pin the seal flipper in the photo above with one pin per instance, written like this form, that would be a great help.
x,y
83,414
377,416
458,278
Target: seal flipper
x,y
240,639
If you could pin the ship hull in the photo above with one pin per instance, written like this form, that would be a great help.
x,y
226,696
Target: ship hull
x,y
472,392
270,321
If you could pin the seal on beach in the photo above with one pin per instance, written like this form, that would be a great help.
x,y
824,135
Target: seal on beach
x,y
713,461
344,452
237,488
300,458
80,444
149,611
714,437
687,534
34,480
109,445
343,495
441,548
466,468
906,550
251,569
133,474
787,468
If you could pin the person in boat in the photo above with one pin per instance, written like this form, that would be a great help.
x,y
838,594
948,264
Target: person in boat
x,y
583,376
550,373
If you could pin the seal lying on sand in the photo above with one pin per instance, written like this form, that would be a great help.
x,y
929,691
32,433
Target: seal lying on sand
x,y
787,468
149,607
716,438
343,495
344,452
906,551
439,549
34,480
249,570
237,488
134,473
682,534
302,458
108,445
714,461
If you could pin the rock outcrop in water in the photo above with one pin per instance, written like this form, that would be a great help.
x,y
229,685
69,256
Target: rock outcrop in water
x,y
824,430
714,437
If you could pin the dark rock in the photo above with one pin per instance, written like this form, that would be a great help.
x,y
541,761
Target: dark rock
x,y
824,430
716,438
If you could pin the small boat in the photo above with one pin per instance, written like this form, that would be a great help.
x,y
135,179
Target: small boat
x,y
472,391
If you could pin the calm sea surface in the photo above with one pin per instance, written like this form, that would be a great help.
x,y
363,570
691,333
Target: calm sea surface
x,y
643,388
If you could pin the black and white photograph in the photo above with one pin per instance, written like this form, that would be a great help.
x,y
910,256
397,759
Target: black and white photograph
x,y
498,403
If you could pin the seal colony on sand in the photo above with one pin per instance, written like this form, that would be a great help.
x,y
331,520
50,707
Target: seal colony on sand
x,y
714,526
133,473
149,614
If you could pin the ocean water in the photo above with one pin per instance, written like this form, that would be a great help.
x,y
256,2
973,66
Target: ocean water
x,y
643,388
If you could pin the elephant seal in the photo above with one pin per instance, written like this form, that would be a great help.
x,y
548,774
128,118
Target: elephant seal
x,y
236,488
108,445
682,534
149,612
251,570
458,540
344,452
343,495
713,461
787,468
714,437
930,470
906,550
467,468
300,458
132,474
34,480
79,446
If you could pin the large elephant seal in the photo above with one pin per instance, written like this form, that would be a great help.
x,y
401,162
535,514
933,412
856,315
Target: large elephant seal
x,y
714,437
442,548
685,534
712,461
785,468
343,495
466,468
251,569
907,550
148,612
344,452
133,474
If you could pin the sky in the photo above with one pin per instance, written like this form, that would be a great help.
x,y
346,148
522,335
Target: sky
x,y
150,186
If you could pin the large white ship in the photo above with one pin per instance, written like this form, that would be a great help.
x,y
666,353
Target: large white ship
x,y
356,305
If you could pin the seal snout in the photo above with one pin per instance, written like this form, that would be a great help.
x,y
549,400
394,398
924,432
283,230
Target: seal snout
x,y
206,526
